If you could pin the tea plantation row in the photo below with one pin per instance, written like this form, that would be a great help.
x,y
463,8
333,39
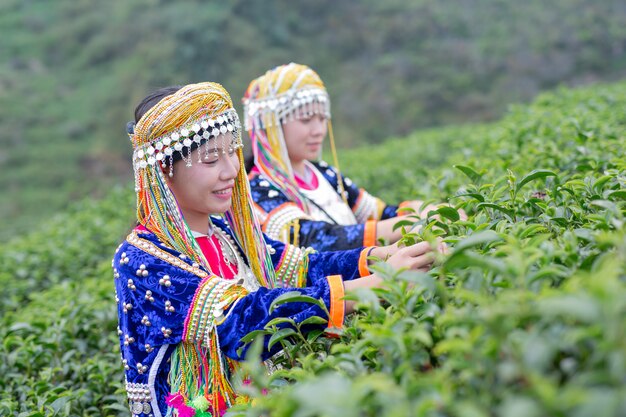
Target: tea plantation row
x,y
525,318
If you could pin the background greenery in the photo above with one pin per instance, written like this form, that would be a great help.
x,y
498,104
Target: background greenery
x,y
526,318
71,71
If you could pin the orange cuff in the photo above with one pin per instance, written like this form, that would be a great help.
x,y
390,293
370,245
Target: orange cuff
x,y
369,235
363,268
337,304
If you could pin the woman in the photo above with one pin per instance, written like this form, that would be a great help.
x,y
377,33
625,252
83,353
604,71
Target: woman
x,y
190,285
298,200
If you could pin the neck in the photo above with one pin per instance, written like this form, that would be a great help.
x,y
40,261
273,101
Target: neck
x,y
198,222
299,168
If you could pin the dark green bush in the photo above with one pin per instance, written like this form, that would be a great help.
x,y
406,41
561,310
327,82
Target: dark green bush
x,y
526,317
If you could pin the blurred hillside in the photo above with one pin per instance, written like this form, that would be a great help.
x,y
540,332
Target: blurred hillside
x,y
72,71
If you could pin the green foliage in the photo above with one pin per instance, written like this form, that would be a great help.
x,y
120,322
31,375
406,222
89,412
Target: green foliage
x,y
59,354
67,246
525,317
74,69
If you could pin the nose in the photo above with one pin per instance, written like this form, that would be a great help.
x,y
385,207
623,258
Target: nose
x,y
318,126
229,166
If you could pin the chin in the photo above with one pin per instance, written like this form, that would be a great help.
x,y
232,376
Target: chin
x,y
221,207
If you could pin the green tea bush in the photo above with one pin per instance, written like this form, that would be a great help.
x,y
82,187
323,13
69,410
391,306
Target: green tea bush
x,y
525,317
67,247
59,354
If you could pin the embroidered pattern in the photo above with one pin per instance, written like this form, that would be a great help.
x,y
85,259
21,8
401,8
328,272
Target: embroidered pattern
x,y
366,207
293,266
279,221
139,398
212,297
153,250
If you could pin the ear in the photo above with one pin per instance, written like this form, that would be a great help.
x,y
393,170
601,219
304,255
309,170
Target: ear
x,y
168,171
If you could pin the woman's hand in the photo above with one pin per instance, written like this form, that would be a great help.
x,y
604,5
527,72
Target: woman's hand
x,y
419,256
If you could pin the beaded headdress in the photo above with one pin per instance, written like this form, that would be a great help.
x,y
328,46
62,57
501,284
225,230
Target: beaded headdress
x,y
172,129
287,92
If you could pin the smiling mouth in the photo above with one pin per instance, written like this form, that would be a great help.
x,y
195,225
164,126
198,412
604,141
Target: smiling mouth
x,y
224,191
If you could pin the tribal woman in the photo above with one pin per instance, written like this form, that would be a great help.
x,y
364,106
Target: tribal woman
x,y
299,198
197,274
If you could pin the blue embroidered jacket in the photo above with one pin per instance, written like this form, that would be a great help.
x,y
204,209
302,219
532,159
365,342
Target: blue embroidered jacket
x,y
281,217
157,290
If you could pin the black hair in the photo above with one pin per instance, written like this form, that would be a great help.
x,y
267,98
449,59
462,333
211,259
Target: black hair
x,y
248,163
153,98
147,103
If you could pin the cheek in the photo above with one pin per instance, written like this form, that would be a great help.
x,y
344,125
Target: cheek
x,y
188,180
296,140
294,132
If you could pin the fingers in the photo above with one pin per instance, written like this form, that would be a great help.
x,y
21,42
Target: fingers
x,y
443,248
420,256
415,250
422,262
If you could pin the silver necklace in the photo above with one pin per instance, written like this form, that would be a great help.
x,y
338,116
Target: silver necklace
x,y
244,275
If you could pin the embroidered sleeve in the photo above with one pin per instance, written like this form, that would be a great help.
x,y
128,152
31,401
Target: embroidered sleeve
x,y
213,296
283,220
277,214
344,263
293,266
367,207
323,236
288,223
251,313
389,211
319,264
165,299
